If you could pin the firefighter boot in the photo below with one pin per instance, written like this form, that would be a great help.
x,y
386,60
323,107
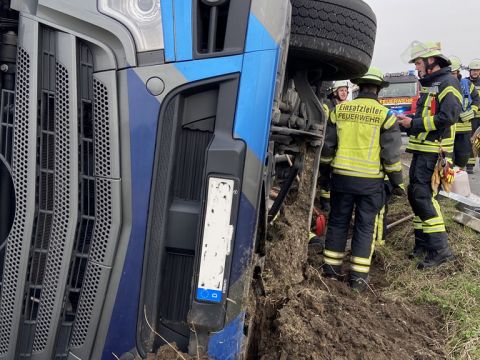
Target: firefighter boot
x,y
417,251
314,239
435,258
358,283
332,271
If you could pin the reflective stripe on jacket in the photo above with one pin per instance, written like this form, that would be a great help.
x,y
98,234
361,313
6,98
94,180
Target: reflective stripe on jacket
x,y
438,110
363,140
466,126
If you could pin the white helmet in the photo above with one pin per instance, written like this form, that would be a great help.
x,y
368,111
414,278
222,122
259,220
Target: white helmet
x,y
474,64
337,85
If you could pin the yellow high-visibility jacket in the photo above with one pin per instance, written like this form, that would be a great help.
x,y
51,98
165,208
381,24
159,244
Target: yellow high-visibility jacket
x,y
363,140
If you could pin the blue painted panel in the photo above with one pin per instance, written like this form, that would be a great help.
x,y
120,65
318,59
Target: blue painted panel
x,y
227,344
166,7
209,295
244,236
203,69
144,112
254,108
183,29
258,38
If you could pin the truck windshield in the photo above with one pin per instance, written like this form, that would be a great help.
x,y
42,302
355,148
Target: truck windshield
x,y
399,89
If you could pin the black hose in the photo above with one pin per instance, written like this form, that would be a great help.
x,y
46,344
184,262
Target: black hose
x,y
277,204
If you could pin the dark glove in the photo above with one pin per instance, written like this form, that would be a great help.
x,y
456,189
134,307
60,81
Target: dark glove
x,y
476,142
398,190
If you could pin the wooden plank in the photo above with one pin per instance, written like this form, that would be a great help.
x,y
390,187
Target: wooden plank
x,y
468,220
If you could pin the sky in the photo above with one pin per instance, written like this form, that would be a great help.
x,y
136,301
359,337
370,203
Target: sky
x,y
456,24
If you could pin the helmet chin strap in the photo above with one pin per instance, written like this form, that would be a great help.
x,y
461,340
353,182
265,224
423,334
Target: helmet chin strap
x,y
429,67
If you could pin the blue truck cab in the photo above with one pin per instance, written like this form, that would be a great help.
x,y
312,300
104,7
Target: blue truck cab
x,y
138,141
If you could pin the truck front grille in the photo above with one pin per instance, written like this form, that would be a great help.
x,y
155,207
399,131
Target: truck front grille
x,y
86,208
6,147
59,253
13,253
44,197
6,124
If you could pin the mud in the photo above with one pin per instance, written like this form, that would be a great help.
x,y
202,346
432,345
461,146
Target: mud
x,y
301,315
304,316
324,319
172,353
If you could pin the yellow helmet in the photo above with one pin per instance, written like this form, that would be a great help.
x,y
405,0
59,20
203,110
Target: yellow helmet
x,y
456,63
474,64
373,76
425,50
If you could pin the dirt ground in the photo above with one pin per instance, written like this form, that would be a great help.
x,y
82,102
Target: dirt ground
x,y
304,316
324,319
172,353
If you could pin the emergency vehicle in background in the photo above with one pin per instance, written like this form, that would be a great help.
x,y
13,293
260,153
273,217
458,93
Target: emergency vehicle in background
x,y
402,93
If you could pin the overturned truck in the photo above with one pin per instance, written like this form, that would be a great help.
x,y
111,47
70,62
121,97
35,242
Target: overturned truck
x,y
139,141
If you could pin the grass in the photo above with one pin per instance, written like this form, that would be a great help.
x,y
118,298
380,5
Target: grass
x,y
454,288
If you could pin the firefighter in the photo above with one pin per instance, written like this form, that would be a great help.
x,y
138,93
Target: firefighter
x,y
337,94
474,69
462,150
431,137
362,143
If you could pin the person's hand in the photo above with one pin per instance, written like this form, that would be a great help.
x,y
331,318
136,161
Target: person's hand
x,y
397,191
404,121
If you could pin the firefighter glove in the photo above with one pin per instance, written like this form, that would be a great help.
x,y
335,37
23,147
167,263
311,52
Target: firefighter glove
x,y
447,173
436,178
399,190
443,173
476,142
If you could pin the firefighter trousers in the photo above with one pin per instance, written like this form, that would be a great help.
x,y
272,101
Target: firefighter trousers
x,y
367,208
428,221
324,186
473,159
462,149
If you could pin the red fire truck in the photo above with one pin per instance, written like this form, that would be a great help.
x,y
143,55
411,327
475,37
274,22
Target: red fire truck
x,y
402,94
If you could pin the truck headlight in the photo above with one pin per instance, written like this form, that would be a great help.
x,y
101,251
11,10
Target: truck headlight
x,y
141,17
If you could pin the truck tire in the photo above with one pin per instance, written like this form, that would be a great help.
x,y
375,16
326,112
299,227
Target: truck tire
x,y
336,36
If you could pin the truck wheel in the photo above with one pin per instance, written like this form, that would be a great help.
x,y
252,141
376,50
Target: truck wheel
x,y
336,36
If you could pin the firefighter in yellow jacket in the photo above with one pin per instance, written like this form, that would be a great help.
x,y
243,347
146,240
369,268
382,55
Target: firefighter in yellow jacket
x,y
337,94
432,134
362,144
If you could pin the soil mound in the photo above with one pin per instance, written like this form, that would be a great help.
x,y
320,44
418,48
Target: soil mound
x,y
316,318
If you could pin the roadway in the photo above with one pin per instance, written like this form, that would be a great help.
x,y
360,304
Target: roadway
x,y
475,181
